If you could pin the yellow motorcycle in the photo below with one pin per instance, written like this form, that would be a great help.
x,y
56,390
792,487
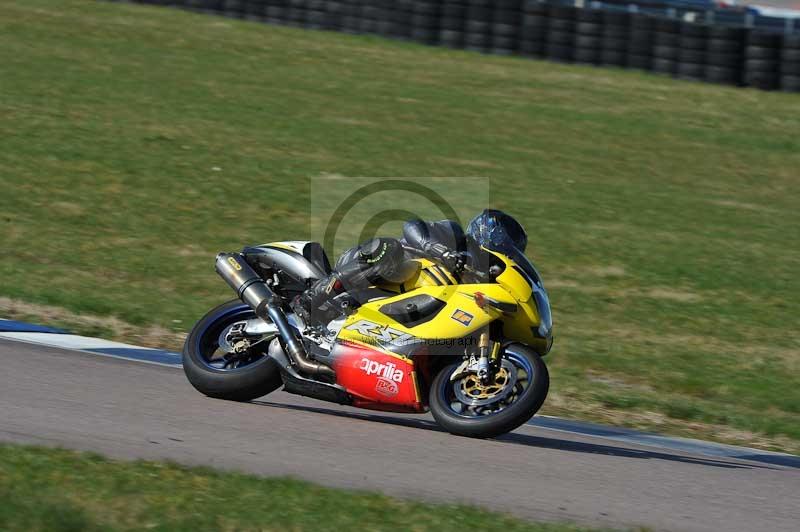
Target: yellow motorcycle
x,y
467,346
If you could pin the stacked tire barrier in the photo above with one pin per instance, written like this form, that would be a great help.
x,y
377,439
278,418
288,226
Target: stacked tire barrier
x,y
725,55
560,34
588,36
790,64
477,28
665,46
533,29
451,24
614,38
596,35
506,19
425,21
693,43
762,60
640,42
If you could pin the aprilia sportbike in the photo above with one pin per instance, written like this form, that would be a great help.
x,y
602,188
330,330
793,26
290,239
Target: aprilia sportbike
x,y
467,346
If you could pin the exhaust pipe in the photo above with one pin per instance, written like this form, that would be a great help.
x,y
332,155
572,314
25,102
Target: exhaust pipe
x,y
253,291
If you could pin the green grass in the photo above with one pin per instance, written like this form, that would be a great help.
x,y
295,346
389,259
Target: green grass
x,y
55,490
137,142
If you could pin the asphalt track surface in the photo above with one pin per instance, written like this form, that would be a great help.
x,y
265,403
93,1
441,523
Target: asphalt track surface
x,y
129,410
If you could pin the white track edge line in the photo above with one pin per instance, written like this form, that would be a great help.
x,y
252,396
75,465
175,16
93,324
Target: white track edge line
x,y
106,355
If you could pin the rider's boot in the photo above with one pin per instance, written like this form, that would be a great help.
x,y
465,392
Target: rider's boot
x,y
315,306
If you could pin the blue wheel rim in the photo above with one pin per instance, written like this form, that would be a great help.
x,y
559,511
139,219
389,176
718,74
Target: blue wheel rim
x,y
207,340
519,361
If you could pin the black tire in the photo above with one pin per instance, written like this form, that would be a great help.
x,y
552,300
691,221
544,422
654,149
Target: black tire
x,y
504,30
724,60
666,39
616,18
316,20
727,33
640,62
530,33
790,83
276,14
451,39
503,45
762,80
477,26
761,52
790,69
764,39
587,41
664,66
535,7
589,15
560,37
616,32
692,56
453,10
613,43
727,75
665,52
426,8
483,14
612,58
587,56
426,22
642,22
692,71
725,46
693,43
240,384
507,18
559,52
791,41
640,39
691,29
790,55
532,48
503,421
667,25
589,28
424,35
534,21
761,65
562,12
558,24
452,24
476,41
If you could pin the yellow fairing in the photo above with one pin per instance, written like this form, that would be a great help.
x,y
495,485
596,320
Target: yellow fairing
x,y
460,317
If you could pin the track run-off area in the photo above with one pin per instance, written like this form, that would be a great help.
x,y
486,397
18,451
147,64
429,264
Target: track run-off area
x,y
127,409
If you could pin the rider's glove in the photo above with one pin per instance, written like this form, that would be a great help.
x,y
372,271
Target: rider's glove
x,y
454,261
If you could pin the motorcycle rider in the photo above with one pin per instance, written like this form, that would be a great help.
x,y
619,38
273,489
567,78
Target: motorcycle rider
x,y
387,259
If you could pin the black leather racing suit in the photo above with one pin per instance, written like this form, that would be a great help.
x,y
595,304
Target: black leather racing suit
x,y
383,260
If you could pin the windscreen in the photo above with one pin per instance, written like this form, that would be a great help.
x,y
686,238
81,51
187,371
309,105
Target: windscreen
x,y
497,240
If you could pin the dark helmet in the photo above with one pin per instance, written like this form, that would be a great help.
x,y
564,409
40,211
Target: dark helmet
x,y
497,229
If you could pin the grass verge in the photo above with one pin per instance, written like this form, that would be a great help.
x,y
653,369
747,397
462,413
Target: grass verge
x,y
56,490
136,142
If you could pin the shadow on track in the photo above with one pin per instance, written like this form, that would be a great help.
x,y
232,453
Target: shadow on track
x,y
524,439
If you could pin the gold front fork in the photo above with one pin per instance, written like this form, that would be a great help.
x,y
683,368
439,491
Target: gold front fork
x,y
486,350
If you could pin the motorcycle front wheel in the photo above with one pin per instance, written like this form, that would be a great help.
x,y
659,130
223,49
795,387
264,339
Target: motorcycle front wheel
x,y
466,407
217,374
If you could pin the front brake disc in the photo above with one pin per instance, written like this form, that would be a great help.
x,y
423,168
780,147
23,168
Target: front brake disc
x,y
470,391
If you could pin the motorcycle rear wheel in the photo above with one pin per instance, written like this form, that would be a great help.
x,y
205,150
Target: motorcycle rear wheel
x,y
245,380
514,407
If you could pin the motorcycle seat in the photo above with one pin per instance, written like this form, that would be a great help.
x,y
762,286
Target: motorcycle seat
x,y
314,253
